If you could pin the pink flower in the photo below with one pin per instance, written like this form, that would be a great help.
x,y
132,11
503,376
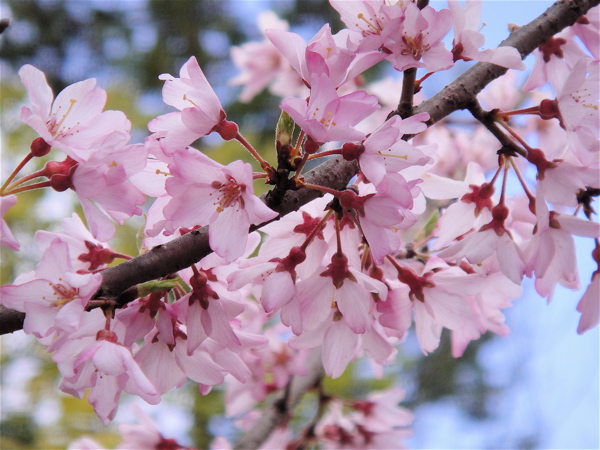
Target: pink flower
x,y
101,183
108,368
324,54
467,40
587,28
551,252
207,193
263,65
7,239
73,120
382,213
439,300
87,253
54,295
492,238
554,61
386,152
421,38
589,305
327,117
372,23
200,109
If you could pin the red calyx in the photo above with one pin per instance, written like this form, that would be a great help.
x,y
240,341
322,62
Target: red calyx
x,y
201,290
39,147
226,129
97,255
552,47
338,270
60,173
536,157
480,195
311,146
351,152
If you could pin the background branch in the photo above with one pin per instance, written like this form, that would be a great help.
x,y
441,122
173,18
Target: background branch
x,y
190,248
282,403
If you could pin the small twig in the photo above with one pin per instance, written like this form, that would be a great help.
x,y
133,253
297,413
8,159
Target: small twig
x,y
486,120
405,107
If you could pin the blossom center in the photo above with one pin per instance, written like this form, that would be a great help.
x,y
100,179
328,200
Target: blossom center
x,y
54,125
414,46
64,294
228,194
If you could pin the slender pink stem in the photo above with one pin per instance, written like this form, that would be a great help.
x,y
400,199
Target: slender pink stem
x,y
264,164
318,228
327,190
531,110
521,180
337,151
31,176
513,134
16,171
30,187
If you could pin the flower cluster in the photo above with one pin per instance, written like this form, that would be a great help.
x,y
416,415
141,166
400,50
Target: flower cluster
x,y
427,233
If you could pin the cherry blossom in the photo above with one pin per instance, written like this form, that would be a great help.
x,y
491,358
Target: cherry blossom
x,y
421,38
108,368
324,54
205,193
468,40
54,295
200,111
73,120
326,116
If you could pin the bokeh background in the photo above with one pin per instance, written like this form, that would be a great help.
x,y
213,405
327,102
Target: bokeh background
x,y
536,388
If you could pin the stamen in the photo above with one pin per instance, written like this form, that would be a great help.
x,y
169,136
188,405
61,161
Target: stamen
x,y
191,101
362,17
58,124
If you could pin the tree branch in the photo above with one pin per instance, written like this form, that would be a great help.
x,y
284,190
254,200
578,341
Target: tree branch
x,y
277,410
462,91
190,248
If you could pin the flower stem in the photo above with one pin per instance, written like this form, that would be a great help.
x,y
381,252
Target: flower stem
x,y
316,187
30,187
337,151
16,171
264,164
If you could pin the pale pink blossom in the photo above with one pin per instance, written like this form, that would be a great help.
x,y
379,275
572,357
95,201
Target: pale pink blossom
x,y
54,295
589,306
263,65
324,54
468,40
206,193
200,111
386,152
372,23
420,38
7,239
587,28
550,255
492,238
73,120
108,368
103,188
554,61
327,117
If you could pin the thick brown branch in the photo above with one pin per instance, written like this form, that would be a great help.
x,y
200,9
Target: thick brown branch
x,y
462,91
192,247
